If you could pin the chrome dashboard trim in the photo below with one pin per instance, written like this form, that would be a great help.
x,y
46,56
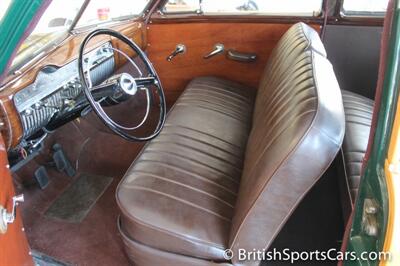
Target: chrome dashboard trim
x,y
54,86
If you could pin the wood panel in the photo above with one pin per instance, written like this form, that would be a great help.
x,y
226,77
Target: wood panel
x,y
200,39
61,55
14,249
136,34
11,126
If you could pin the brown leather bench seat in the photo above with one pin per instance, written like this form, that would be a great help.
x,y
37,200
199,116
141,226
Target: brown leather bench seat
x,y
358,113
229,167
189,175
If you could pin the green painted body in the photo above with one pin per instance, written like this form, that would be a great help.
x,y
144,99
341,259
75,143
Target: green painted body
x,y
373,182
13,26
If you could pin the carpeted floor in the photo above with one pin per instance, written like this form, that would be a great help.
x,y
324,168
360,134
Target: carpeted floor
x,y
94,241
91,237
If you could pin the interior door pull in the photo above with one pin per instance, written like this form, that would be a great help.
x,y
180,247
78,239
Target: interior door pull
x,y
241,57
9,217
218,49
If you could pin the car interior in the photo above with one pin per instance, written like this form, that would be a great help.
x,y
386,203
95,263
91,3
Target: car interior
x,y
169,136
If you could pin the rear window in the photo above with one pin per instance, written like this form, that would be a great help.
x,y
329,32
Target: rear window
x,y
245,7
368,8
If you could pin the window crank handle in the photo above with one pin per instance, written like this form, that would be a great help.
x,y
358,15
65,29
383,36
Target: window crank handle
x,y
218,49
180,49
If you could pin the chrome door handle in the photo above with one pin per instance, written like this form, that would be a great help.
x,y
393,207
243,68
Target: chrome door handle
x,y
218,49
179,49
9,217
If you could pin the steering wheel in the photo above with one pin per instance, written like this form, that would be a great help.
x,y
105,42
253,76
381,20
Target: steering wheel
x,y
121,86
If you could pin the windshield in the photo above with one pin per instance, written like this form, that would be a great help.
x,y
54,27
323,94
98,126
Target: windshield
x,y
52,25
100,11
59,16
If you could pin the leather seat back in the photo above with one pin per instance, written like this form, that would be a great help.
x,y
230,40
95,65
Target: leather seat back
x,y
298,128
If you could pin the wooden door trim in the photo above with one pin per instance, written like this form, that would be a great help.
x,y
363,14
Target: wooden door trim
x,y
14,248
200,38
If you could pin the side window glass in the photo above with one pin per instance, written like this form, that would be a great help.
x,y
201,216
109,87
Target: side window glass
x,y
305,8
368,8
182,6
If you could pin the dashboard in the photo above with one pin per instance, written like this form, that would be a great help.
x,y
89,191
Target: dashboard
x,y
46,93
55,92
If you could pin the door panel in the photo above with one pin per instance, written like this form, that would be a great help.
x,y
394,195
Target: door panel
x,y
14,249
200,39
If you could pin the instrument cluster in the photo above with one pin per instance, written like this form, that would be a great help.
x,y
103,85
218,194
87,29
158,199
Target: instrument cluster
x,y
56,90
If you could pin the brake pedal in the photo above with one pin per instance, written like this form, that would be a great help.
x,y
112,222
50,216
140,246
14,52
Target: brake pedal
x,y
42,177
62,162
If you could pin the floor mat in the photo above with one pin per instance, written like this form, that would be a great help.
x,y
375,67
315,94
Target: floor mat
x,y
77,200
41,259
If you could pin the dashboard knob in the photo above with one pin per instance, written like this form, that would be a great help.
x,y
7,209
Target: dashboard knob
x,y
69,102
38,105
28,111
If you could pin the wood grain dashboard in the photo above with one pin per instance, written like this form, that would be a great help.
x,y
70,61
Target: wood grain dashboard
x,y
66,52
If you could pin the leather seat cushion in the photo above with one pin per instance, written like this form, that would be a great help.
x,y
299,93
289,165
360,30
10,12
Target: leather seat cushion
x,y
184,202
206,183
358,112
